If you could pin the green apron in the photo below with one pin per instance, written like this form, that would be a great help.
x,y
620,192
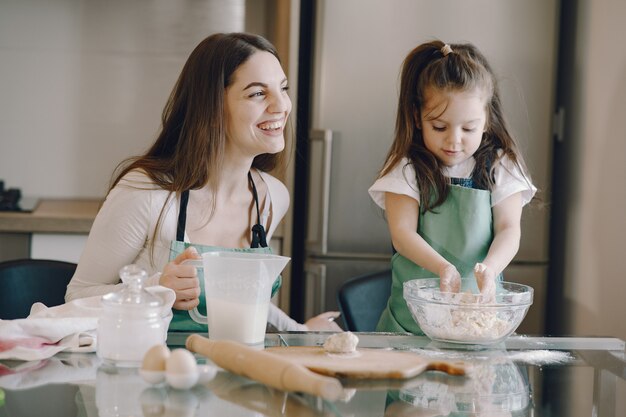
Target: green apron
x,y
182,321
460,230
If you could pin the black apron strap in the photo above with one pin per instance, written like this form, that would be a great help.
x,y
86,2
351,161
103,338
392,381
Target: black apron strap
x,y
182,216
259,238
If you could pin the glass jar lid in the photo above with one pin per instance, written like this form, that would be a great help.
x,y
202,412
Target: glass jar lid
x,y
132,293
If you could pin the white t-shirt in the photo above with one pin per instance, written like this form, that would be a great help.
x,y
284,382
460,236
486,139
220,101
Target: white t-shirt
x,y
401,180
123,232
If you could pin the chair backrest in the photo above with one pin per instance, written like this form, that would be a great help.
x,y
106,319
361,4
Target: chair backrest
x,y
363,299
24,282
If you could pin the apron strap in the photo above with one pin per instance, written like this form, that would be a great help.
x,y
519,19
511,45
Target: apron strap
x,y
474,181
259,238
182,216
258,231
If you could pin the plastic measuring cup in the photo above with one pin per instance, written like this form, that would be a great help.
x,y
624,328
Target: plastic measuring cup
x,y
238,288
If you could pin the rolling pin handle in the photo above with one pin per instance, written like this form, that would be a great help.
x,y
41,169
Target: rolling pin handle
x,y
264,367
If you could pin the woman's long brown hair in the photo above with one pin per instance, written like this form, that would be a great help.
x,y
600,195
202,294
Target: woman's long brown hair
x,y
464,69
189,149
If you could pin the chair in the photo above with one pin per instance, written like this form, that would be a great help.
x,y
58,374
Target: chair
x,y
24,282
363,299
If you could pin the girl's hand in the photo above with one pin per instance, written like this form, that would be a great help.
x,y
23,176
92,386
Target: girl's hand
x,y
486,280
324,322
449,279
183,280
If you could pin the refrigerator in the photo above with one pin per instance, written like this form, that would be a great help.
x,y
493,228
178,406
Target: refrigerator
x,y
357,48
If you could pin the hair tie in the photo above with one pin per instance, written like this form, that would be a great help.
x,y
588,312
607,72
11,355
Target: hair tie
x,y
445,50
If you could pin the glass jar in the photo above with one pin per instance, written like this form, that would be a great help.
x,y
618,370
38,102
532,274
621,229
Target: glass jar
x,y
130,322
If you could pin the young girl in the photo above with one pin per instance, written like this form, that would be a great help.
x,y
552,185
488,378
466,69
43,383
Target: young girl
x,y
454,182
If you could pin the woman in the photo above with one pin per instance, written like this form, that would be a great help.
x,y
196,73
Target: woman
x,y
203,185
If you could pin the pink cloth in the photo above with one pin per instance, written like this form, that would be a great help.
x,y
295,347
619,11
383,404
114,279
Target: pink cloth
x,y
25,342
69,327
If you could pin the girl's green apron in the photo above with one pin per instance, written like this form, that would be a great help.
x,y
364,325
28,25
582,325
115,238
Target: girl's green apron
x,y
461,230
182,321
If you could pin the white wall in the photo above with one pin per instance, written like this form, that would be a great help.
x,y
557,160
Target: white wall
x,y
595,275
83,83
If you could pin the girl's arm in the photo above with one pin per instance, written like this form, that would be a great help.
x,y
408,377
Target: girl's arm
x,y
507,216
402,217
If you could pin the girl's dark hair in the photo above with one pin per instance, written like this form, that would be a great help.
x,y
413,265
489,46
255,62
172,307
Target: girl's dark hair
x,y
463,69
189,149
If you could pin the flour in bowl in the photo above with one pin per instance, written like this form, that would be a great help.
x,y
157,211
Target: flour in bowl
x,y
466,317
450,322
472,324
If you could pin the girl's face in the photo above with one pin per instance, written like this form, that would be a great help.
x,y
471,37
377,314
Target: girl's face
x,y
452,123
257,106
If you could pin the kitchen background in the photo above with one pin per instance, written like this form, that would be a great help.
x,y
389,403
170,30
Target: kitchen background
x,y
83,83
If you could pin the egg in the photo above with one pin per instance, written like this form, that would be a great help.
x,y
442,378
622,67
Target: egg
x,y
181,370
153,365
155,358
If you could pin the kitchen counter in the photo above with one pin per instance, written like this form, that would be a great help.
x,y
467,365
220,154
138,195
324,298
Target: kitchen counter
x,y
53,216
55,229
524,376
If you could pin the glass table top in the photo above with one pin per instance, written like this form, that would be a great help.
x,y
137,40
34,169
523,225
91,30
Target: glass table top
x,y
523,376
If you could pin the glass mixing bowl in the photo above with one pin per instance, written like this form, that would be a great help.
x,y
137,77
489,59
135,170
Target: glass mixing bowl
x,y
462,317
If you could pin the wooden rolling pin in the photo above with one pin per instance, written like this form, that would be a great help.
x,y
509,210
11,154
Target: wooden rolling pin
x,y
269,369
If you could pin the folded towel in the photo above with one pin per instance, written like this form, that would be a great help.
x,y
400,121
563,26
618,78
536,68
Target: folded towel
x,y
69,327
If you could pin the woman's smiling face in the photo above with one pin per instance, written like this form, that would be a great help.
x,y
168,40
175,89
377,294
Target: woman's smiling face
x,y
257,106
452,123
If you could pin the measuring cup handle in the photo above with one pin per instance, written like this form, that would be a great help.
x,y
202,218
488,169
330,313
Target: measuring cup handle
x,y
194,313
197,317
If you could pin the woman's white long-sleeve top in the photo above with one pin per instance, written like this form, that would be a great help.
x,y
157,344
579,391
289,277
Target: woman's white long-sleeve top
x,y
124,233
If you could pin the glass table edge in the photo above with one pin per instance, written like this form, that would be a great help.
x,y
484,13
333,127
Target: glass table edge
x,y
402,341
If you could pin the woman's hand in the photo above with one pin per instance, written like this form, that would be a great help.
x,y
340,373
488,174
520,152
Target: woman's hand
x,y
324,322
449,279
183,279
486,280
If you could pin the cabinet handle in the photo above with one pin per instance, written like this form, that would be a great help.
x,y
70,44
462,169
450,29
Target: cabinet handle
x,y
320,153
315,284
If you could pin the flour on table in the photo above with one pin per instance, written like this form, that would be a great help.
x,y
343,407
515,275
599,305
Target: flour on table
x,y
530,357
540,357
